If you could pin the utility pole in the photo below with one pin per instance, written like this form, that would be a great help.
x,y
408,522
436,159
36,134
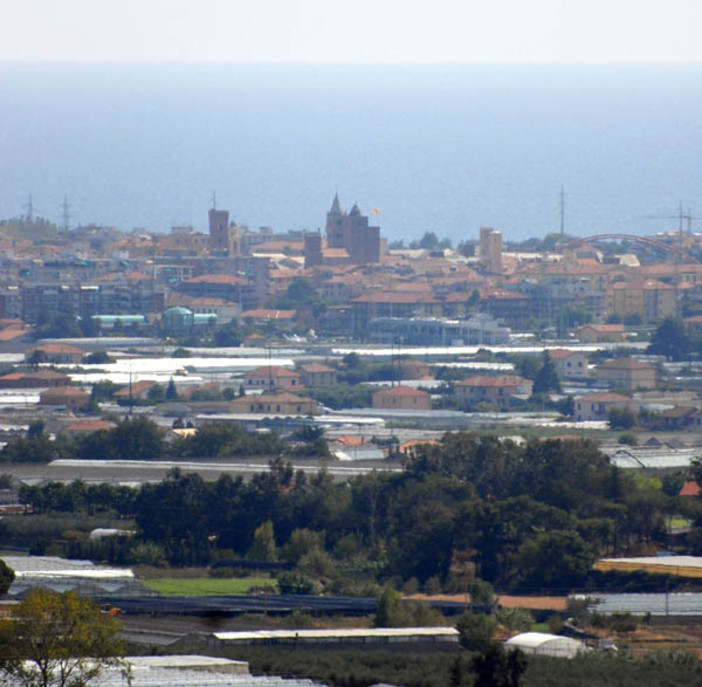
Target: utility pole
x,y
30,209
562,209
65,207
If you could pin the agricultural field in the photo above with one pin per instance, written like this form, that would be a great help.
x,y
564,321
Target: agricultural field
x,y
206,586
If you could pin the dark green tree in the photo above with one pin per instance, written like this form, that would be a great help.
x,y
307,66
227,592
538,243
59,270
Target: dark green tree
x,y
171,391
476,631
546,378
671,340
495,666
7,577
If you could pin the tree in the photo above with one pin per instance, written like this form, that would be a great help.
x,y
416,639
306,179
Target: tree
x,y
670,340
546,378
476,631
7,577
60,640
263,547
497,667
621,418
171,391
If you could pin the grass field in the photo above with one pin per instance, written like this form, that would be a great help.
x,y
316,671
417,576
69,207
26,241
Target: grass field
x,y
206,586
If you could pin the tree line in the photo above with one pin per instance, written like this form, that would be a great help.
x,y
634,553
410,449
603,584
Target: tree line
x,y
524,517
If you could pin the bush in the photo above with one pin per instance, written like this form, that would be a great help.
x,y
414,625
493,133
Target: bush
x,y
295,583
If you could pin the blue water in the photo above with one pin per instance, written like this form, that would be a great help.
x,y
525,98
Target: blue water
x,y
442,148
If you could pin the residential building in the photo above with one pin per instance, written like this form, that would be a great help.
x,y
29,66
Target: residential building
x,y
70,397
402,398
569,365
651,299
270,377
600,333
626,373
316,374
596,407
281,403
58,354
497,390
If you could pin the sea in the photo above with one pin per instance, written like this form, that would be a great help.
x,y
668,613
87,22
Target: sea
x,y
443,148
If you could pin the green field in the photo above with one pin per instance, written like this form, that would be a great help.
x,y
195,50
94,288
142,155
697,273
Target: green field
x,y
206,586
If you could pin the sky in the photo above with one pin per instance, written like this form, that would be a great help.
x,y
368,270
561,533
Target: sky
x,y
352,31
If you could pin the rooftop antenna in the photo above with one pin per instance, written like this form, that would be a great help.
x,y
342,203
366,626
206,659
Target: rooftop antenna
x,y
65,207
214,200
562,208
30,209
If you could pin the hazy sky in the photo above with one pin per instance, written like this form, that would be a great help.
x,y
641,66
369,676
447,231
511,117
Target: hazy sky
x,y
352,30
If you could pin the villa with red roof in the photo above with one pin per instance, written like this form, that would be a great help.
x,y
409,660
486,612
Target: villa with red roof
x,y
270,377
402,398
596,407
497,389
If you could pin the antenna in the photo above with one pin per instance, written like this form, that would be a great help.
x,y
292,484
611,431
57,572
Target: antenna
x,y
30,209
562,207
214,200
65,207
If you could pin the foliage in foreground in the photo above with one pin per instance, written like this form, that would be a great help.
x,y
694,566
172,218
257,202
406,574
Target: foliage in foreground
x,y
58,639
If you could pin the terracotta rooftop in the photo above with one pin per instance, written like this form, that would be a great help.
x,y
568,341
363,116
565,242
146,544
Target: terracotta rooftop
x,y
493,381
404,391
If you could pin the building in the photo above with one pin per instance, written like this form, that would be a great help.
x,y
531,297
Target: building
x,y
352,232
280,403
70,397
600,333
58,354
224,238
569,365
316,374
491,250
497,390
626,373
596,407
651,299
438,331
402,398
49,379
270,377
542,644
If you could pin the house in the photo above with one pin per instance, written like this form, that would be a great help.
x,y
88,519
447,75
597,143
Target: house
x,y
626,373
600,333
497,389
316,374
59,354
277,403
596,407
48,379
271,377
402,398
679,417
135,390
83,427
74,399
569,365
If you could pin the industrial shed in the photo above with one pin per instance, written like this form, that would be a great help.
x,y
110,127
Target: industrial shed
x,y
542,644
384,635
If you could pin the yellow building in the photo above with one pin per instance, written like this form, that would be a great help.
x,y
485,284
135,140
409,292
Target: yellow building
x,y
653,300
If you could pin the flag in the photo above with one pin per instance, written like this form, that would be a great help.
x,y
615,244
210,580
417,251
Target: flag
x,y
375,211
